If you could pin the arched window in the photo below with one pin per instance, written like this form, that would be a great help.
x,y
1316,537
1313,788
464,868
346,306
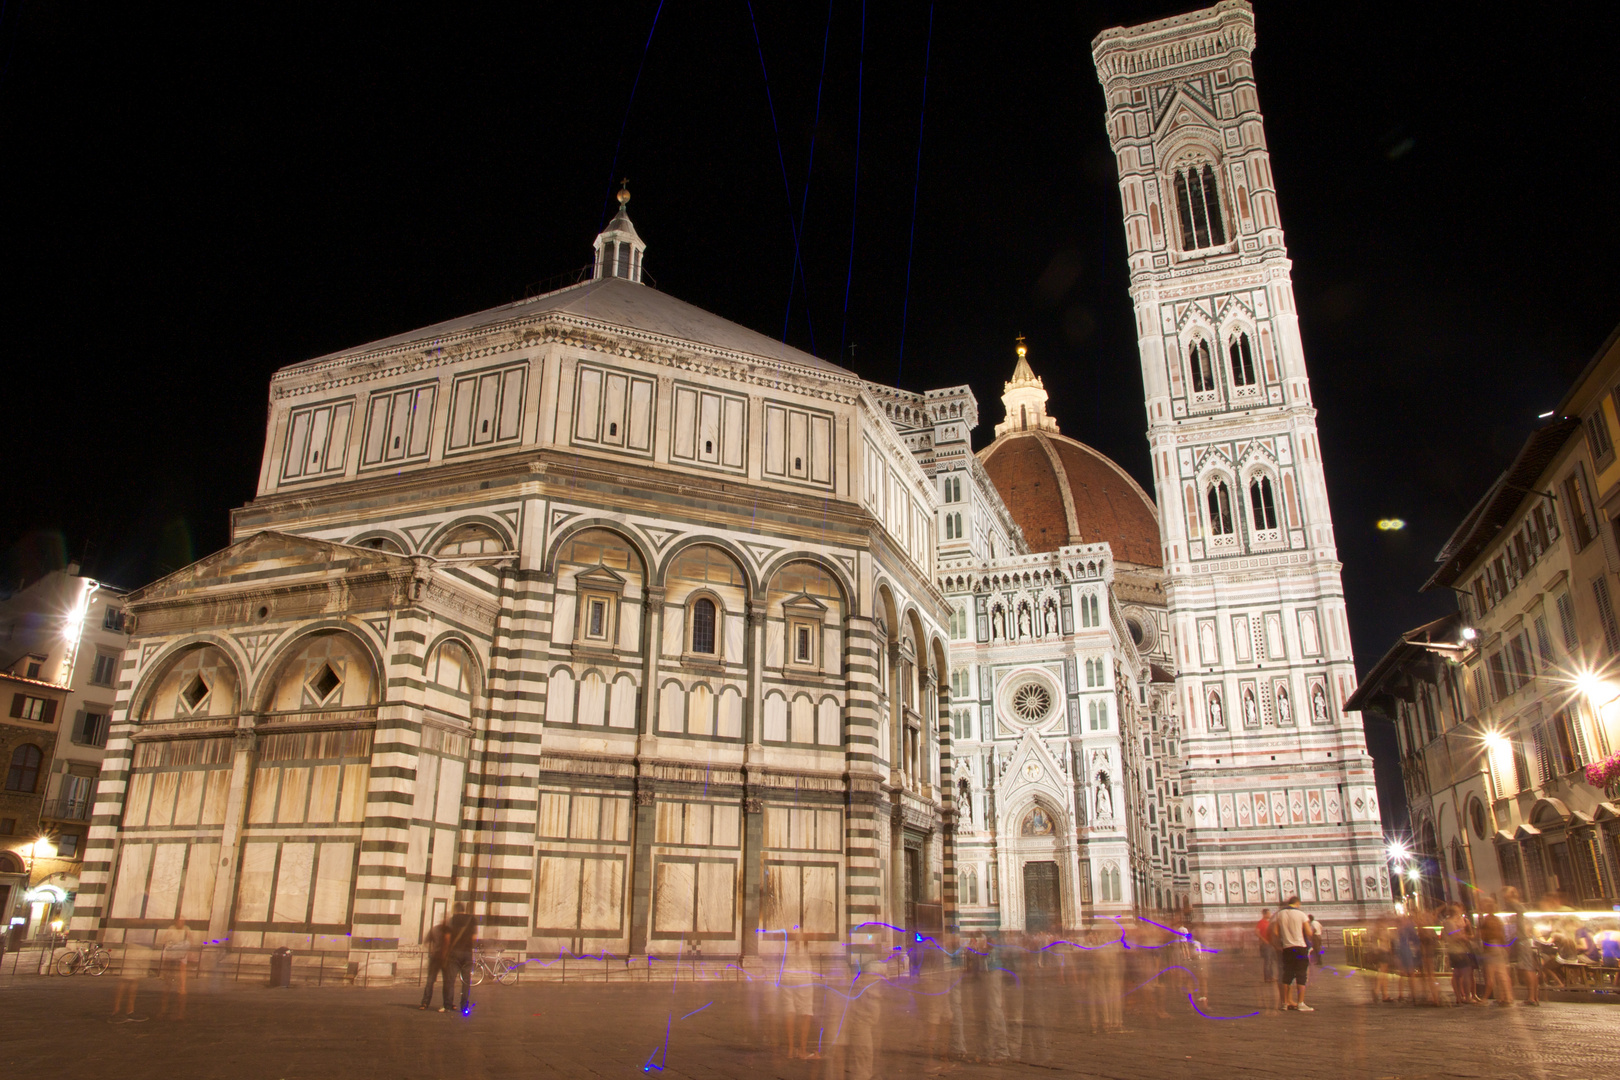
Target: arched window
x,y
1262,503
703,626
1199,201
1220,508
24,773
1242,361
471,540
1201,367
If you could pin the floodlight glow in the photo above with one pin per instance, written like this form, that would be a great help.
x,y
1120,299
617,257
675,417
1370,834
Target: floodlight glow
x,y
1391,525
1494,740
1413,873
1397,851
1469,633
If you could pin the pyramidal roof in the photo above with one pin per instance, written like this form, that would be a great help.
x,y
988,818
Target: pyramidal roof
x,y
606,302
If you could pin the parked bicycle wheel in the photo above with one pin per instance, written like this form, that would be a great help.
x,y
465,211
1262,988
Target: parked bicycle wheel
x,y
97,963
477,973
506,974
69,963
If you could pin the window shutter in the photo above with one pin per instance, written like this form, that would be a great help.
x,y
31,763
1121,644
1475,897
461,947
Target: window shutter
x,y
79,733
1611,630
1566,622
16,704
49,714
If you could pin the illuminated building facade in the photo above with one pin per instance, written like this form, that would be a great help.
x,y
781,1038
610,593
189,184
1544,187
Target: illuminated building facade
x,y
1496,738
63,634
1274,768
608,615
1063,734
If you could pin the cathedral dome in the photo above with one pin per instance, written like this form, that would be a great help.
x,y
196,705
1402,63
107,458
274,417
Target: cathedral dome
x,y
1060,491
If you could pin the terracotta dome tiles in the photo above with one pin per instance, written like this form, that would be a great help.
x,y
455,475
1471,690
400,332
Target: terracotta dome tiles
x,y
1103,502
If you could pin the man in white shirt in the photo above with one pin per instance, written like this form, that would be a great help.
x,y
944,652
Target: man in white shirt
x,y
1291,931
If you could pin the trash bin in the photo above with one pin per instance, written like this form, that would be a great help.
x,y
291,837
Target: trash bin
x,y
281,968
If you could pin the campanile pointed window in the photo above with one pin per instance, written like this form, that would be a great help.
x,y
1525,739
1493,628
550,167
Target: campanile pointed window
x,y
1220,508
1199,202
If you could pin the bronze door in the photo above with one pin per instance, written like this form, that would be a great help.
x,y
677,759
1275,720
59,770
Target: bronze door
x,y
1043,910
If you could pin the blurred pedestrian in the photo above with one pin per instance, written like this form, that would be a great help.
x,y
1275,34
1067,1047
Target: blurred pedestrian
x,y
175,942
1268,962
437,943
135,966
1522,946
1290,932
1494,950
1458,937
463,934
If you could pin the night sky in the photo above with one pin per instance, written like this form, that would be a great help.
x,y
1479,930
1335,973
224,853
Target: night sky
x,y
193,199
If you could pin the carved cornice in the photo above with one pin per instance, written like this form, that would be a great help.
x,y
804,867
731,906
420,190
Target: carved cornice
x,y
572,331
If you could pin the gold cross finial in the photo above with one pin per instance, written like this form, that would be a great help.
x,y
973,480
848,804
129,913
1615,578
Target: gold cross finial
x,y
624,191
1021,348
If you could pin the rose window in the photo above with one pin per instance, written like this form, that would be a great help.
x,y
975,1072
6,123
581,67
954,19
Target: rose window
x,y
1031,702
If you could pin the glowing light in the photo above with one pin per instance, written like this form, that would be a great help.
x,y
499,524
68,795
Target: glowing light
x,y
1390,524
1469,633
1398,851
1543,416
1494,740
1413,873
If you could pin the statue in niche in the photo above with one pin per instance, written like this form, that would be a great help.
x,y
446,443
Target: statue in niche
x,y
964,800
1023,621
1051,618
1105,798
1216,718
1285,710
998,623
1251,711
1319,704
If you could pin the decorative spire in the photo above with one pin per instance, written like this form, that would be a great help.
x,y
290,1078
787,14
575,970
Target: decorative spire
x,y
619,248
1024,398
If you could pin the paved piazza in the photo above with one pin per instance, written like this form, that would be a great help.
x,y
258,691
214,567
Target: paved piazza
x,y
722,1025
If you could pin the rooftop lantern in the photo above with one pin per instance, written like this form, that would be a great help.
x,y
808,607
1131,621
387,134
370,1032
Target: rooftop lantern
x,y
619,248
1024,397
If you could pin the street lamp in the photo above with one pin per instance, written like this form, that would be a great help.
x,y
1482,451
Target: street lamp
x,y
41,848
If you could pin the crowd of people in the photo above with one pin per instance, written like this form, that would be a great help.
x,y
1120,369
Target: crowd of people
x,y
1486,954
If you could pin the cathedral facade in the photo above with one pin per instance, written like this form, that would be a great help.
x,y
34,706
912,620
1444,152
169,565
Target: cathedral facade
x,y
638,630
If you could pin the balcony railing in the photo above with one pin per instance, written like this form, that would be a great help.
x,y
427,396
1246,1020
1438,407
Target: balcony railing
x,y
69,809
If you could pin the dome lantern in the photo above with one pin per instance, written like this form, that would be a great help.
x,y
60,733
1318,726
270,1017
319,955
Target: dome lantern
x,y
619,248
1024,398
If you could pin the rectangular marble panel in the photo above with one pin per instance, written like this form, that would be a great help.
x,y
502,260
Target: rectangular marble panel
x,y
262,807
294,794
352,800
717,897
325,780
333,874
188,800
197,899
601,899
556,905
674,896
622,703
138,801
253,886
292,883
134,868
164,786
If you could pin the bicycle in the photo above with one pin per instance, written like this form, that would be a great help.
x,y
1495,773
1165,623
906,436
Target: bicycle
x,y
503,973
90,959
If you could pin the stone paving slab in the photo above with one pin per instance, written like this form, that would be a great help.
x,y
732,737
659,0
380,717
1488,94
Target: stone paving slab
x,y
720,1029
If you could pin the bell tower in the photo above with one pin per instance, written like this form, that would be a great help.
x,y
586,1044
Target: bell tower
x,y
1276,775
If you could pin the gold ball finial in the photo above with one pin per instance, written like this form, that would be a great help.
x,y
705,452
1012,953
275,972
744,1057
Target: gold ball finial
x,y
624,191
1021,347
